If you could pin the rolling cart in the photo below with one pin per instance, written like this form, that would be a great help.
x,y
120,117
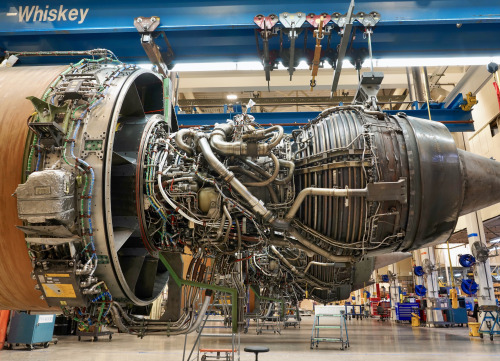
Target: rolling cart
x,y
94,334
291,317
357,312
269,323
31,330
491,321
322,314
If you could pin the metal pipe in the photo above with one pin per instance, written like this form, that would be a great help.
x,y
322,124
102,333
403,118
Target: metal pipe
x,y
291,244
249,174
179,140
230,221
271,178
426,83
328,192
221,227
410,88
369,33
234,293
318,250
219,143
291,168
203,311
318,264
238,233
417,82
229,177
295,271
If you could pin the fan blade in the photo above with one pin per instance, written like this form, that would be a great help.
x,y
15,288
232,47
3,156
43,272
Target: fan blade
x,y
122,158
132,104
121,236
146,282
131,266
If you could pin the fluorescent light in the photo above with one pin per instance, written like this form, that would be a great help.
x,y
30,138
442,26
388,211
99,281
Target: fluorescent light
x,y
249,65
231,96
377,63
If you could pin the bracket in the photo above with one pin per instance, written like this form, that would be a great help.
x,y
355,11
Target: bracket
x,y
147,28
367,20
93,145
387,191
315,19
368,88
47,129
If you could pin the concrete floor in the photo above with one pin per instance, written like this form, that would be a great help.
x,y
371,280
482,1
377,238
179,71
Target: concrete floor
x,y
369,339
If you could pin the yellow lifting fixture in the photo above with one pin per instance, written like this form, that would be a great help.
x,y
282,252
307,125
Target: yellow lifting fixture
x,y
319,35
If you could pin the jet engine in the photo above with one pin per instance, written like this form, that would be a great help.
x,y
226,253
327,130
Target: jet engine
x,y
108,195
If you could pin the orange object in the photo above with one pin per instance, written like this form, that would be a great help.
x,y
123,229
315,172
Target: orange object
x,y
17,288
4,321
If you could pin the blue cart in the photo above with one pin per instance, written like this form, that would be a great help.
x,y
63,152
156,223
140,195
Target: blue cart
x,y
404,311
31,330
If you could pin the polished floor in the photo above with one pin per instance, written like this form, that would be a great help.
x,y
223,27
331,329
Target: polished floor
x,y
370,340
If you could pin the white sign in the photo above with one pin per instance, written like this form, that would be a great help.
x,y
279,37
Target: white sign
x,y
45,318
40,14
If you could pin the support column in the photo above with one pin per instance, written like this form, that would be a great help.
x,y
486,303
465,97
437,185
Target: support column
x,y
417,83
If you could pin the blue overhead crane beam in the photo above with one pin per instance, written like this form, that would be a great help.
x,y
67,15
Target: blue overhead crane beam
x,y
456,120
208,30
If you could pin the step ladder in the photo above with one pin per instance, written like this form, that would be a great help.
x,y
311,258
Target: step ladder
x,y
214,326
329,318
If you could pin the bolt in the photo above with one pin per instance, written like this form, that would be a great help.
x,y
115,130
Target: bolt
x,y
153,19
37,287
139,20
285,15
71,264
42,297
